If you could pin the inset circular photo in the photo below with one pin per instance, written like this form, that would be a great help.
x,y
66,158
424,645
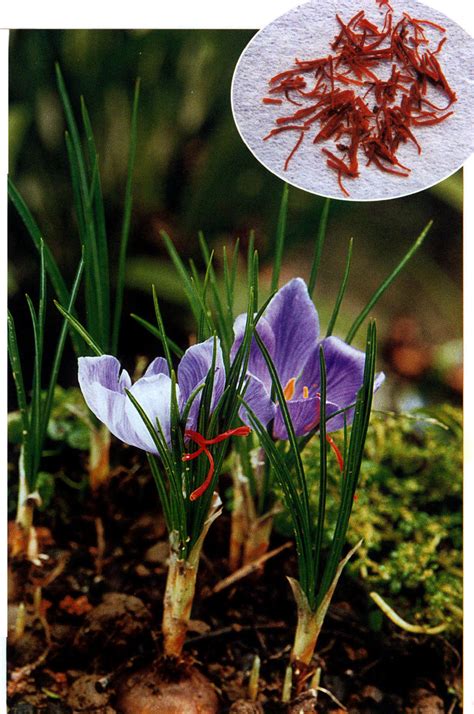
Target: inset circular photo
x,y
358,99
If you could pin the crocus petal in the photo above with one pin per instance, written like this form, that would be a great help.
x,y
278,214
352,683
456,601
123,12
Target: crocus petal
x,y
256,364
345,376
104,392
305,415
259,400
192,372
158,366
295,324
153,394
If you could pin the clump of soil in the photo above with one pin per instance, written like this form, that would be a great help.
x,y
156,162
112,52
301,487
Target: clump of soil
x,y
88,694
113,628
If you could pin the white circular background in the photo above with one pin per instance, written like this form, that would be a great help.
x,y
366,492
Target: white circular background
x,y
306,32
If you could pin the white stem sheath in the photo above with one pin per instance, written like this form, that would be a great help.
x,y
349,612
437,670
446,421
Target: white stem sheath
x,y
181,585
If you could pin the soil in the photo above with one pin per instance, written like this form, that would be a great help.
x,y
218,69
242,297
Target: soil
x,y
97,627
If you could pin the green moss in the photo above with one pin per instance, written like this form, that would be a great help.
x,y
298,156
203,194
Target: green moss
x,y
408,511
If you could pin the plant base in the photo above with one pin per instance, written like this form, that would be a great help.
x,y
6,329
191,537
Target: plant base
x,y
99,456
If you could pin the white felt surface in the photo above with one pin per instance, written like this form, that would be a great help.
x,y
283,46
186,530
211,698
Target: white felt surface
x,y
306,32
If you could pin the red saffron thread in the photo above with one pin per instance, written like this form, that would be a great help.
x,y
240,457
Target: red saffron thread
x,y
203,443
272,100
335,448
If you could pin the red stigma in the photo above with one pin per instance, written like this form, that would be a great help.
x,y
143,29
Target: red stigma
x,y
203,443
335,448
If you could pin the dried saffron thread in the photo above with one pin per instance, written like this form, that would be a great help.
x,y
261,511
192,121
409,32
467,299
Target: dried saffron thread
x,y
400,102
272,100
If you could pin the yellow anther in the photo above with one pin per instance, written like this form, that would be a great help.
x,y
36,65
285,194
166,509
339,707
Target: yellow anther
x,y
289,389
305,392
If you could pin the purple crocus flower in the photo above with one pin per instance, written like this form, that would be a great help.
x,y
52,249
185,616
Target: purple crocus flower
x,y
289,328
103,386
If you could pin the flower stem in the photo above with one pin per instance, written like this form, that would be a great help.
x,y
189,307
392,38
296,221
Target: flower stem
x,y
99,456
240,516
250,533
181,585
178,601
310,621
25,542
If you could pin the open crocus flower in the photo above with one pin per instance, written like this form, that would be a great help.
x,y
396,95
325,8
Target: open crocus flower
x,y
104,388
289,328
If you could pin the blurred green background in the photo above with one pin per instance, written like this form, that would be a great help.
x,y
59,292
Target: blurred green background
x,y
193,173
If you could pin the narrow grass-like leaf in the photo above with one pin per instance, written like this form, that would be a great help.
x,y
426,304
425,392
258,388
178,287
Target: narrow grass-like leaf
x,y
162,492
205,326
386,283
189,403
235,264
265,495
318,246
71,123
225,412
42,299
92,310
57,280
183,274
308,578
255,273
225,330
35,402
230,272
177,450
200,508
177,442
95,207
127,215
250,254
243,447
59,352
323,470
280,238
156,333
161,330
97,291
342,290
96,192
54,273
288,423
76,191
353,462
292,498
15,362
80,329
207,395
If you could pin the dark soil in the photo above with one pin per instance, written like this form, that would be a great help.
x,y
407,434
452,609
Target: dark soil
x,y
102,589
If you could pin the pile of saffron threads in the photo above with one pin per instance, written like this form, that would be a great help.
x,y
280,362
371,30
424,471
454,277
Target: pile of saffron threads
x,y
360,111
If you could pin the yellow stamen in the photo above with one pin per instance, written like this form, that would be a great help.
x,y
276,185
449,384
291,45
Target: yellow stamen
x,y
289,389
305,392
